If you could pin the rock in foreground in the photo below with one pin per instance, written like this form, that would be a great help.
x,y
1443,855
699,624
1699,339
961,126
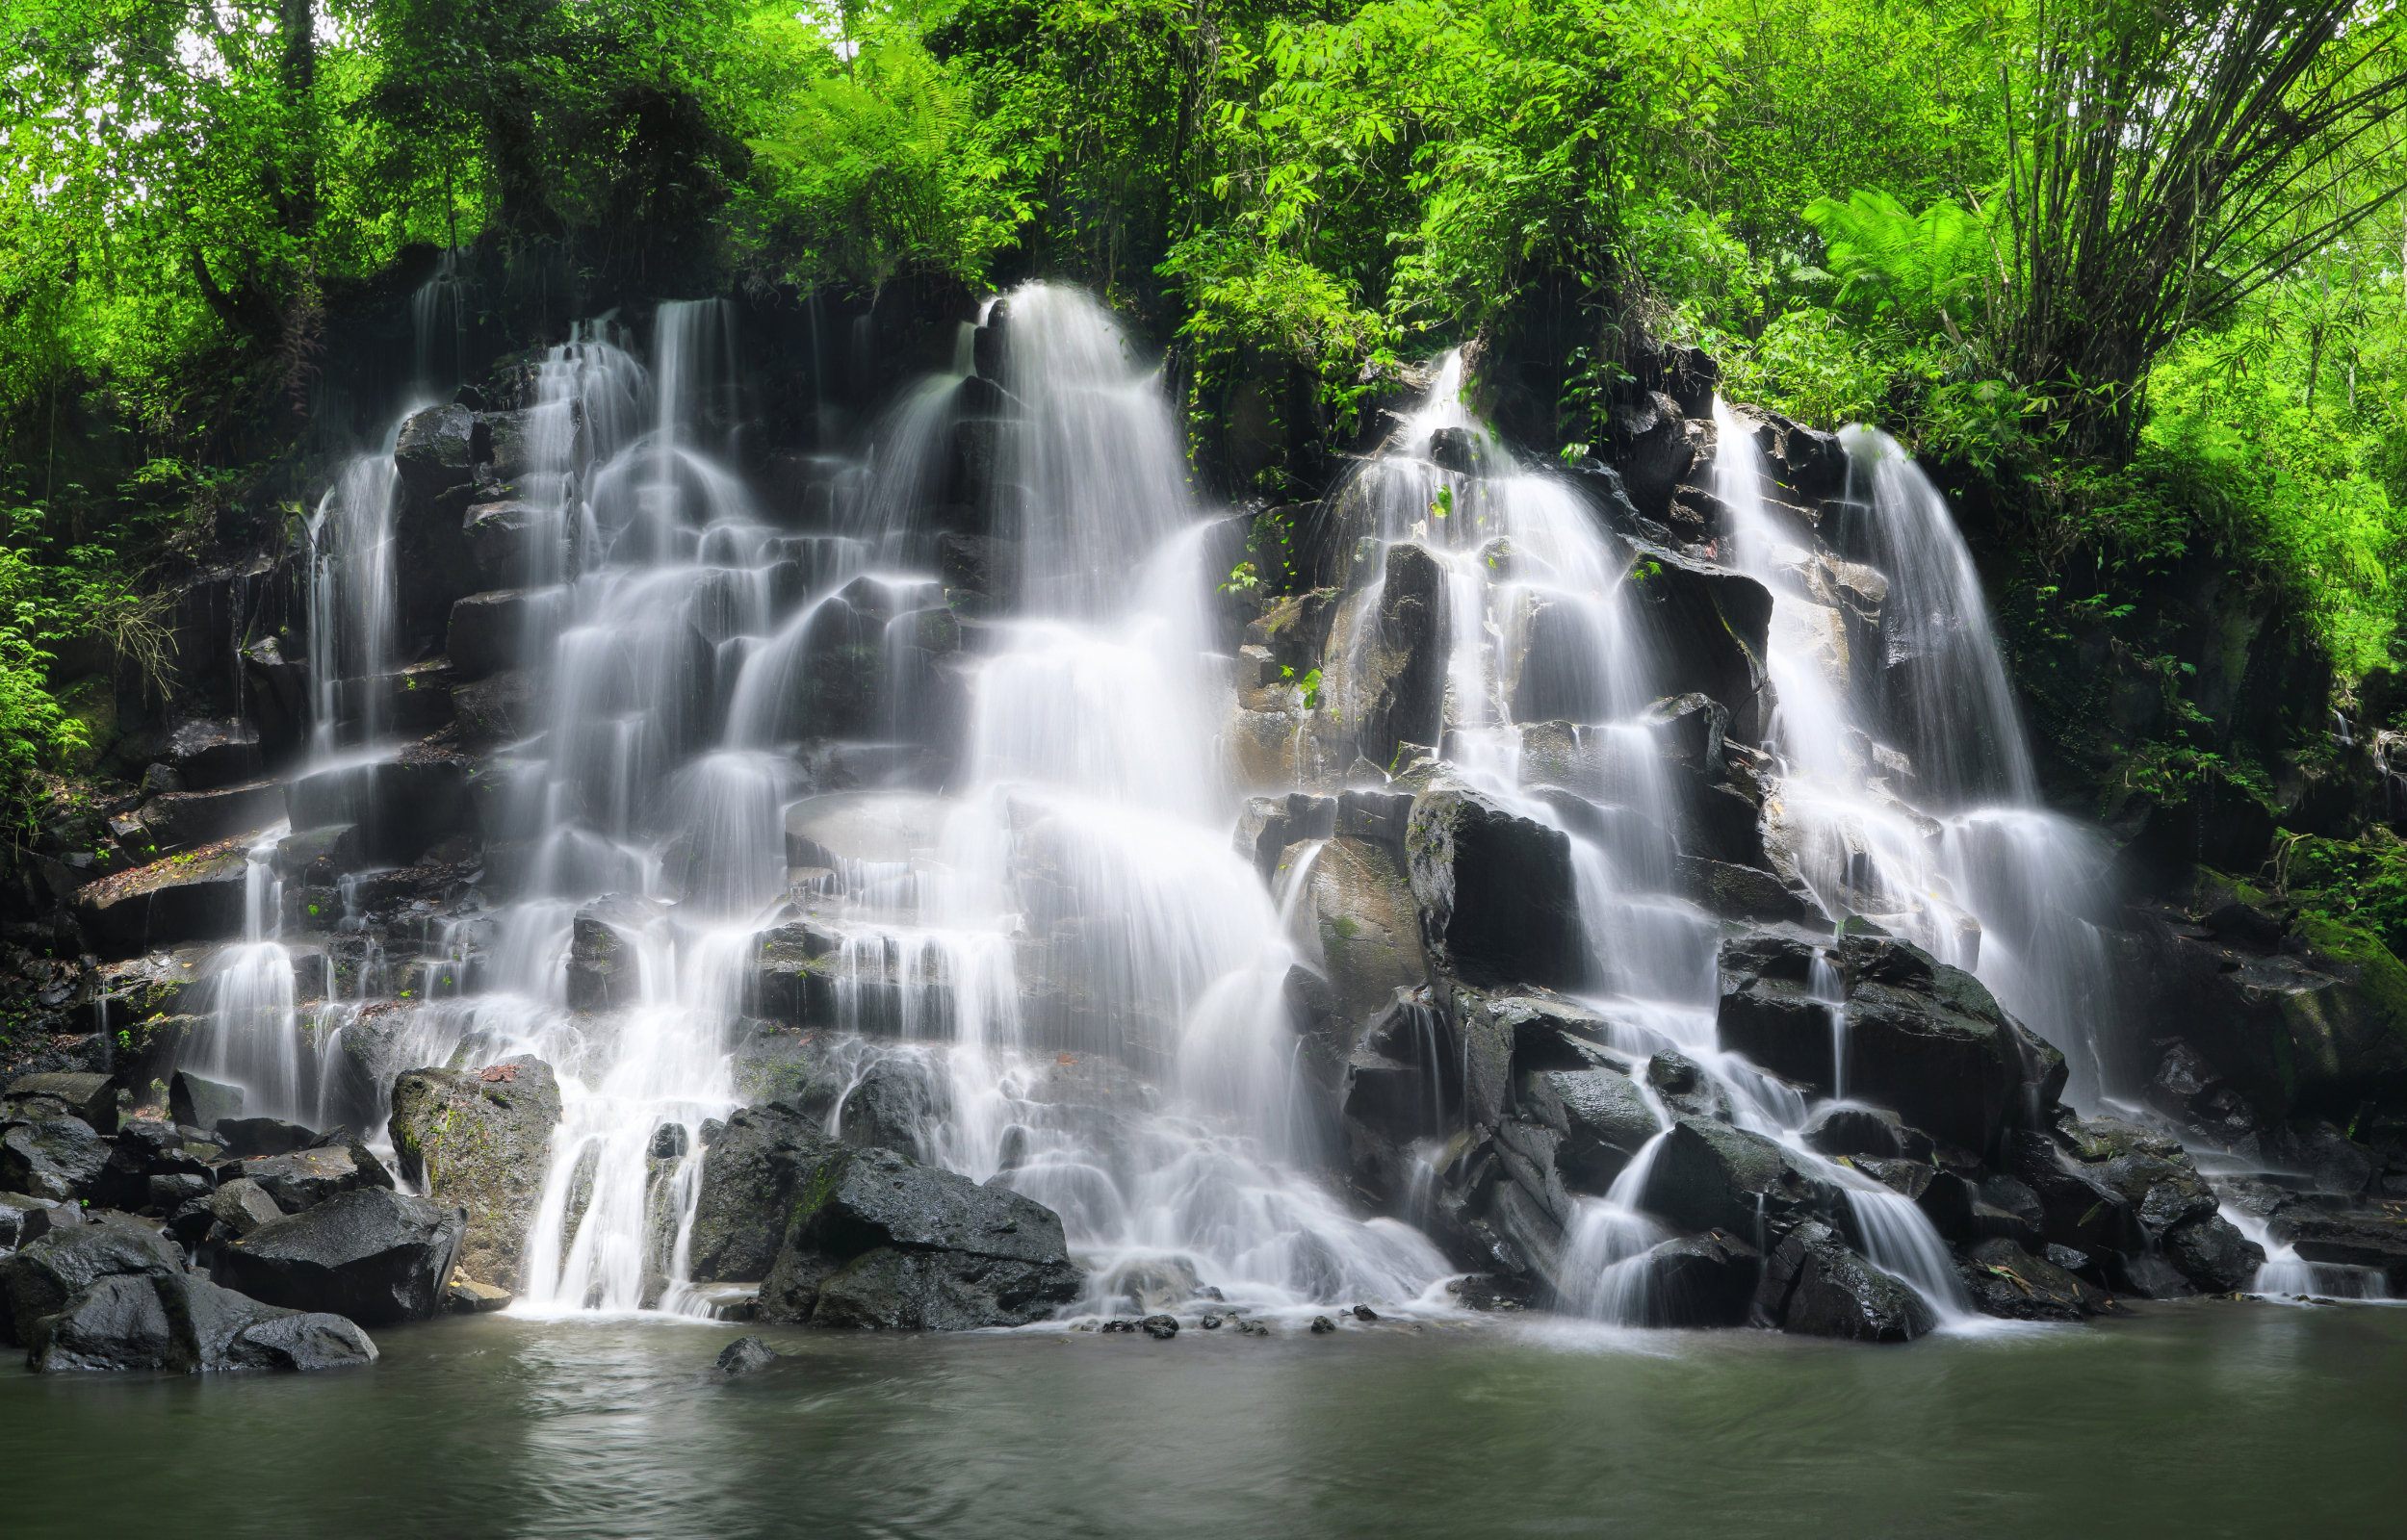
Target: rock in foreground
x,y
370,1255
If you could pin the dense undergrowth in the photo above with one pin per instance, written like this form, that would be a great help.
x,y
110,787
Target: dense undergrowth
x,y
2130,275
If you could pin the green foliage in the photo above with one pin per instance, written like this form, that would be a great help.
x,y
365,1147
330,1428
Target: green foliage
x,y
2360,882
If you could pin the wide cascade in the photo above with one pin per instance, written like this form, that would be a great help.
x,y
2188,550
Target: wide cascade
x,y
1569,855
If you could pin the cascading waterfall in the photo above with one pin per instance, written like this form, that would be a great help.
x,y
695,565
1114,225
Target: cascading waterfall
x,y
1921,813
1072,898
1021,846
1540,628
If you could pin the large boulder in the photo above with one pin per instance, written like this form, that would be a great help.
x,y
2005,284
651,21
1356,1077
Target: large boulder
x,y
92,1098
480,1139
503,628
396,809
304,1178
1707,1175
181,819
1710,625
182,1323
761,1159
2375,1238
960,1254
1814,1286
436,450
892,1105
893,1290
1497,895
2003,1279
1360,907
1922,1037
370,1255
40,1277
1700,1280
195,1101
1601,1117
58,1159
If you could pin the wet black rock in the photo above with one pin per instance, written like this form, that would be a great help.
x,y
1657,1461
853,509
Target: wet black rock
x,y
435,450
761,1158
303,1178
1708,1175
891,1103
893,1290
395,808
1843,1130
1684,1088
1700,1280
370,1254
744,1356
877,1239
1602,1118
1161,1328
194,1102
2212,1254
45,1274
1814,1286
2374,1237
2006,1280
242,1206
1396,672
1497,896
247,1137
90,1098
1923,1038
1322,1325
193,897
60,1159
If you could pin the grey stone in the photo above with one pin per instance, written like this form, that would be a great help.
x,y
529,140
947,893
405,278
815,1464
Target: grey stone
x,y
480,1139
41,1277
194,1102
369,1254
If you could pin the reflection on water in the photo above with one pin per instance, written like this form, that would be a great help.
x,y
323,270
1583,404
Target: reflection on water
x,y
2204,1418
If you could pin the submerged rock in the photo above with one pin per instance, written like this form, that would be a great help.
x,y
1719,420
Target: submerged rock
x,y
482,1142
744,1356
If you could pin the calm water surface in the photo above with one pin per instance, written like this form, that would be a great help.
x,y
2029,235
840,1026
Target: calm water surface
x,y
2203,1418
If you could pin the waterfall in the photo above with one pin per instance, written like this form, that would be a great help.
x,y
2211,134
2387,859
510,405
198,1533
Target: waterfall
x,y
2006,890
1540,625
1002,820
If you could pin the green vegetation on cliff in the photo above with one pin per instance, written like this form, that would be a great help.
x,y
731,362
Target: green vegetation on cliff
x,y
2133,273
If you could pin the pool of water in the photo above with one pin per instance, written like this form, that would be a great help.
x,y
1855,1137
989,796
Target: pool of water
x,y
2200,1419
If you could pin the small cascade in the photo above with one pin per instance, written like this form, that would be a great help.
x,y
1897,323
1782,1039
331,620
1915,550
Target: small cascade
x,y
1919,813
254,1039
438,317
1827,988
